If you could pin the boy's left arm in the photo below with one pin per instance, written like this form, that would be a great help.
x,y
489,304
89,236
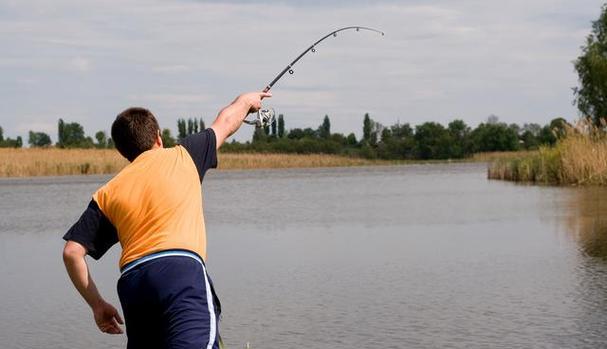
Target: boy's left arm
x,y
106,316
92,234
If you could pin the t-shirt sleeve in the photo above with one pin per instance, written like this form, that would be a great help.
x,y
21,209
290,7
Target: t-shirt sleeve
x,y
93,231
202,148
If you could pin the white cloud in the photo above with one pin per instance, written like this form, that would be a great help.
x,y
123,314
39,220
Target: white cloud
x,y
439,59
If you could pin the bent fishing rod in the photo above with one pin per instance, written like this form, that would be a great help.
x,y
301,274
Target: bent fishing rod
x,y
265,117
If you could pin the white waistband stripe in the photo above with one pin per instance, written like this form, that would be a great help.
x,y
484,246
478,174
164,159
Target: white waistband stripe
x,y
159,255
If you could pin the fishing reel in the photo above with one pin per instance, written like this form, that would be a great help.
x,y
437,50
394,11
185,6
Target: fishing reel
x,y
263,118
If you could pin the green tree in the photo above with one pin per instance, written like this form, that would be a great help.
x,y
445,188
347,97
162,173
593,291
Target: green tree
x,y
432,141
167,139
281,126
17,143
547,136
12,143
308,132
386,135
324,130
60,133
367,128
351,140
202,125
494,137
295,133
190,126
298,133
71,135
402,131
39,139
459,134
529,135
397,142
181,129
1,135
529,140
591,66
101,138
273,127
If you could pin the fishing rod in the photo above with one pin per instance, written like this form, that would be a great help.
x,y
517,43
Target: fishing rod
x,y
265,117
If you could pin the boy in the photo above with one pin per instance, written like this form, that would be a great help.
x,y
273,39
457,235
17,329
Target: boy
x,y
153,207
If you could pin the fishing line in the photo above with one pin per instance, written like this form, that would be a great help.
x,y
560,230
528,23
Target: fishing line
x,y
266,116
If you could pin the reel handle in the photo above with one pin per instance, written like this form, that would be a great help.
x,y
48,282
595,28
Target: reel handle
x,y
263,118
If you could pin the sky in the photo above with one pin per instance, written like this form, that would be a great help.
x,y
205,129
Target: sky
x,y
86,61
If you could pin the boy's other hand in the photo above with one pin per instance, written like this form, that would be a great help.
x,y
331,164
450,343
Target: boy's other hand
x,y
107,318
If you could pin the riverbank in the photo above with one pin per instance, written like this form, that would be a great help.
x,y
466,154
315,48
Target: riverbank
x,y
579,158
27,162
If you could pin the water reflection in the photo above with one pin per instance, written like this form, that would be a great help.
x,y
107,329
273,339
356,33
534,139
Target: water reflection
x,y
587,221
587,224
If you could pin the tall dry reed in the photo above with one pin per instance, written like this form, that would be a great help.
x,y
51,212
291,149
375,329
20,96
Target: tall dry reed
x,y
58,162
578,158
252,161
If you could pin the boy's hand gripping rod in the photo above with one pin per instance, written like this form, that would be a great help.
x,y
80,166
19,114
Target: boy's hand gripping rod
x,y
265,117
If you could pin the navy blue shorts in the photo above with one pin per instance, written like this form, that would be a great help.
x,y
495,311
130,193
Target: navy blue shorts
x,y
169,302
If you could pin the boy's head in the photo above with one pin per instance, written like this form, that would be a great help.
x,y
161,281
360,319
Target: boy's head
x,y
134,131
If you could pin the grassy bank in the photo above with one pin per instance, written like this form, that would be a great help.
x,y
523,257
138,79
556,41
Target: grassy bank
x,y
252,161
579,158
27,162
59,162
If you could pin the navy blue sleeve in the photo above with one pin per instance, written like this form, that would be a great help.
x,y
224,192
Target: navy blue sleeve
x,y
202,148
93,231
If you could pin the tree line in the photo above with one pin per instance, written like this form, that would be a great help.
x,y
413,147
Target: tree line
x,y
72,135
429,140
9,142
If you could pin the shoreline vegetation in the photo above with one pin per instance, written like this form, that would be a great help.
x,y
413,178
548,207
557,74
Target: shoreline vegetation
x,y
33,162
578,158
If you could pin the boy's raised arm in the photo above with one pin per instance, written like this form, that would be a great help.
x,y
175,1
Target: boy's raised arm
x,y
230,118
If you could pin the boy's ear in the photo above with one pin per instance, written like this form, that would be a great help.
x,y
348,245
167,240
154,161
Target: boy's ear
x,y
159,140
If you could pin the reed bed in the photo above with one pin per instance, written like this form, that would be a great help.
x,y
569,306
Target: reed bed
x,y
30,162
578,158
257,160
58,162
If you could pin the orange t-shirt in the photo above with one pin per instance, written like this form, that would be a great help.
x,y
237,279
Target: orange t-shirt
x,y
153,204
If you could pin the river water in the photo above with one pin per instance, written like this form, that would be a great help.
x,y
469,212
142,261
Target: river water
x,y
419,256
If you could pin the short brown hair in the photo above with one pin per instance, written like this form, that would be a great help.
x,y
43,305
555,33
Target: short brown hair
x,y
134,131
